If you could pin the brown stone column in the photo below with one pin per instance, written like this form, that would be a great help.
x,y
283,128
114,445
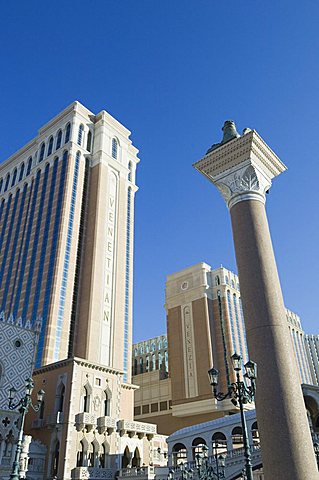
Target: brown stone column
x,y
282,421
242,168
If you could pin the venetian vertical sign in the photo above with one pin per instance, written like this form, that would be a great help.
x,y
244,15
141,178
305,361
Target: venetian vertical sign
x,y
191,389
109,267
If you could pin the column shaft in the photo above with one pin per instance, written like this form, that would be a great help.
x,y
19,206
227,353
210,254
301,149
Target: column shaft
x,y
287,449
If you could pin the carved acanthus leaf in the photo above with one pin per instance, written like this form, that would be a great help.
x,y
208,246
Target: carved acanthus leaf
x,y
249,180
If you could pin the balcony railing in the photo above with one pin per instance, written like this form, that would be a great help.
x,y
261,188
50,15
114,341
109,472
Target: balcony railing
x,y
87,420
140,472
92,473
106,424
138,428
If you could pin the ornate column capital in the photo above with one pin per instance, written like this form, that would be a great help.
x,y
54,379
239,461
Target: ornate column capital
x,y
242,168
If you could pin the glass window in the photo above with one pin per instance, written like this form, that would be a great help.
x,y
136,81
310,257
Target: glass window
x,y
1,182
80,134
21,172
41,156
217,280
67,133
226,280
114,148
58,139
29,166
130,171
14,177
50,146
89,142
7,182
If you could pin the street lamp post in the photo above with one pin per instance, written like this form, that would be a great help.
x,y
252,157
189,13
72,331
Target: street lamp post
x,y
238,391
23,407
205,470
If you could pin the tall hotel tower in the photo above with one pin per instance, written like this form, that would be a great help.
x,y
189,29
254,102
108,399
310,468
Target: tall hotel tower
x,y
67,206
66,255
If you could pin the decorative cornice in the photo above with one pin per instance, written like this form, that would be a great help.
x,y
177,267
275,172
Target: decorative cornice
x,y
78,361
242,169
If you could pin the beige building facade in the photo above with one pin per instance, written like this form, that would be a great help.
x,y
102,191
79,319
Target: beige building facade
x,y
66,258
205,326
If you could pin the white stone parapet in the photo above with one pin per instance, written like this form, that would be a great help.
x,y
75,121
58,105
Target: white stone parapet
x,y
139,428
106,424
242,169
81,473
87,420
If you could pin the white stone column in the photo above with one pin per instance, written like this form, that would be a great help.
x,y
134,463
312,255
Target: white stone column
x,y
242,168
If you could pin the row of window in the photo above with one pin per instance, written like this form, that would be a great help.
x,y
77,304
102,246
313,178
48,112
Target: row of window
x,y
86,399
232,282
151,363
152,408
150,348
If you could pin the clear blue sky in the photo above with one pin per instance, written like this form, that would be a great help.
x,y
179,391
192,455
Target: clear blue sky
x,y
172,71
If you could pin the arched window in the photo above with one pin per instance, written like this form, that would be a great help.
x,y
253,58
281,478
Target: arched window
x,y
80,134
219,443
8,447
58,139
199,447
129,171
136,460
91,454
237,437
166,361
255,433
141,365
135,367
29,166
226,280
160,360
14,177
217,280
1,183
147,363
114,147
126,458
85,400
7,183
179,453
42,149
41,413
21,172
102,457
233,284
106,405
89,142
67,132
61,399
50,146
153,361
80,455
55,458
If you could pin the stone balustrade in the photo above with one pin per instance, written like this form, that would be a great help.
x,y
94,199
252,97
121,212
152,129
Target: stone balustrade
x,y
137,428
87,420
106,424
93,473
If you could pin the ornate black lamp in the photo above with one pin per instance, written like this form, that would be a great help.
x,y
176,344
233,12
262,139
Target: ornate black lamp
x,y
240,393
23,407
